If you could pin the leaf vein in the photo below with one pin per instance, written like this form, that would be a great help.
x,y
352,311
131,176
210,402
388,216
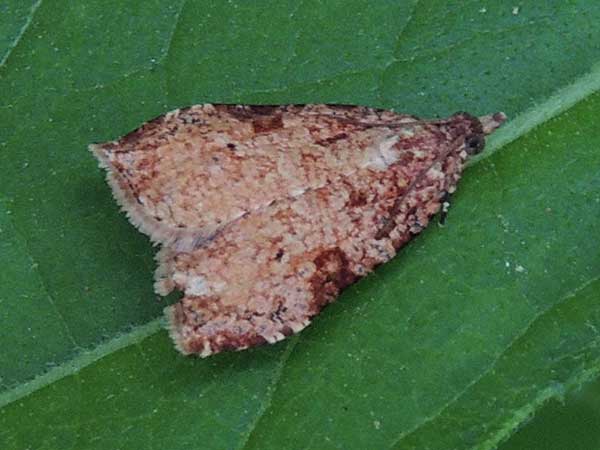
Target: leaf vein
x,y
266,404
84,359
21,32
169,41
34,265
564,299
393,58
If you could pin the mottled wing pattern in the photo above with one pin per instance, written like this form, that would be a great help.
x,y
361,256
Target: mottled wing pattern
x,y
265,276
185,175
266,213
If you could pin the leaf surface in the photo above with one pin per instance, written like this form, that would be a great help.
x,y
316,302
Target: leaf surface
x,y
452,344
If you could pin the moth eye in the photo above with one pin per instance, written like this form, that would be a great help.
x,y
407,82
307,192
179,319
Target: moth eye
x,y
474,144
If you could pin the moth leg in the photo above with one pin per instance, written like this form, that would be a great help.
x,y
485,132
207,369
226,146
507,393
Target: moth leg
x,y
445,201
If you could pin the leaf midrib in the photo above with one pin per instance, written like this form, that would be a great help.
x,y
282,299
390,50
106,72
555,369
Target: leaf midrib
x,y
84,359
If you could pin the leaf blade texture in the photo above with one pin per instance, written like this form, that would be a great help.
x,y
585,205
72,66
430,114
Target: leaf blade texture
x,y
442,317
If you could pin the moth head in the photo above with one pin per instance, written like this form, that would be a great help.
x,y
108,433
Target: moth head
x,y
475,129
475,142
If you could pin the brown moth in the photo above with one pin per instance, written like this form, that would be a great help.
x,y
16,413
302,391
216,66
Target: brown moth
x,y
265,213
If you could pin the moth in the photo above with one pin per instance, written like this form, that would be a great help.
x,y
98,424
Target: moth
x,y
265,213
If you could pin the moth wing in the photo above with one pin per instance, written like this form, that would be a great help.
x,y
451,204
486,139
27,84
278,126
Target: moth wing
x,y
183,176
265,276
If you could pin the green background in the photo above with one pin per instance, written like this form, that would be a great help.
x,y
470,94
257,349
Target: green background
x,y
453,344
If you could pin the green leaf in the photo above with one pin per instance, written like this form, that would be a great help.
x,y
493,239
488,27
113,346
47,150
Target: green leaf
x,y
453,344
555,425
